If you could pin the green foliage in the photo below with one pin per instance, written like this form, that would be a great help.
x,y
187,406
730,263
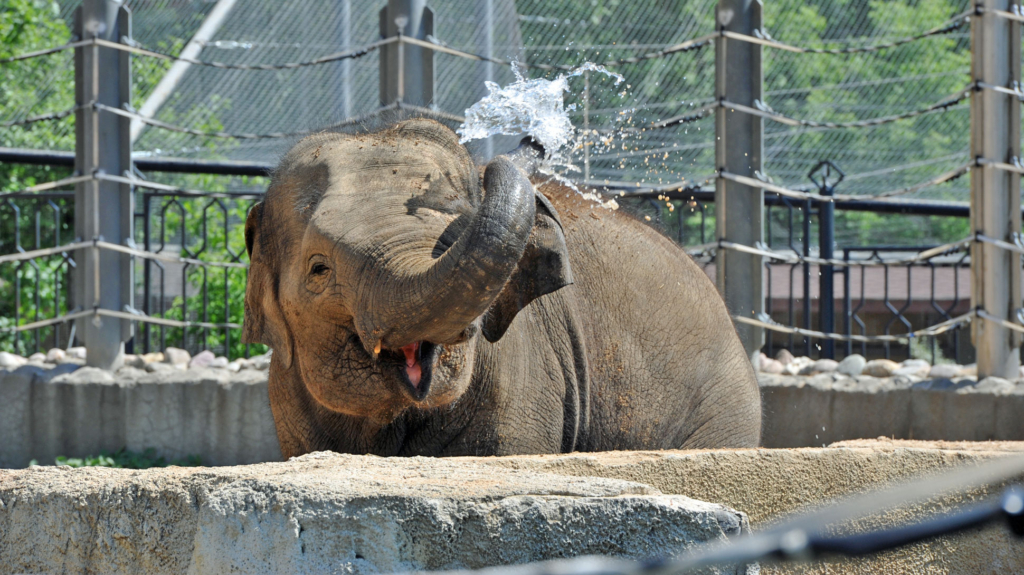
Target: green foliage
x,y
124,459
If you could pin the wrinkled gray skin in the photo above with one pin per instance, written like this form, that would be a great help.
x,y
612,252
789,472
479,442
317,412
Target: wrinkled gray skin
x,y
545,324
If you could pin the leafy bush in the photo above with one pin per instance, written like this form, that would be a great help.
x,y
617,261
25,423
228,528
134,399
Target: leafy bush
x,y
124,459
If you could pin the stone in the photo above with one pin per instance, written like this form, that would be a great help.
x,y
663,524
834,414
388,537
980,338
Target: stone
x,y
135,361
37,357
825,365
969,370
852,365
177,356
331,513
772,366
913,370
152,356
784,357
798,364
76,352
54,355
219,362
880,367
233,366
945,371
915,363
260,362
9,360
158,366
995,385
202,359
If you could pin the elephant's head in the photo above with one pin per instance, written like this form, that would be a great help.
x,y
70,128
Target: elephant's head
x,y
377,262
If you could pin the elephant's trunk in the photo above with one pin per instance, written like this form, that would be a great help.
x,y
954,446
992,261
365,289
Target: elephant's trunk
x,y
438,304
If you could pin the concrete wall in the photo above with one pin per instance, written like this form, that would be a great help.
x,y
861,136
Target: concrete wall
x,y
65,410
225,418
820,410
330,513
771,484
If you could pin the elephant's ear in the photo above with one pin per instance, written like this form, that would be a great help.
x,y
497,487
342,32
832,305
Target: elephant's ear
x,y
543,269
264,322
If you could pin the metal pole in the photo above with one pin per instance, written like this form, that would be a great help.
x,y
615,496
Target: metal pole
x,y
485,15
738,149
822,176
406,71
806,229
995,194
346,65
826,293
103,209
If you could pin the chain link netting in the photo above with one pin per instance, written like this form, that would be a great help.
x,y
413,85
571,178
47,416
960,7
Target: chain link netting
x,y
932,62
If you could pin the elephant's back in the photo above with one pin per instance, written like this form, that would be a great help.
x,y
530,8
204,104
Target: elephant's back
x,y
667,368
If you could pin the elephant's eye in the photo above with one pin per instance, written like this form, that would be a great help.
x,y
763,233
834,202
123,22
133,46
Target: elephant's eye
x,y
319,269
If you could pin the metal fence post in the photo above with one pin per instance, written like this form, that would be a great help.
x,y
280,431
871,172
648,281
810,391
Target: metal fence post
x,y
739,209
822,176
103,279
995,194
406,71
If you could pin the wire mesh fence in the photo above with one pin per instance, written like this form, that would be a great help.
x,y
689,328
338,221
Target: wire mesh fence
x,y
879,88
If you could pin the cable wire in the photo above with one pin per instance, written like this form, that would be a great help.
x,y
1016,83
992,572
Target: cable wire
x,y
766,322
784,257
782,191
40,118
336,57
951,25
48,185
45,51
764,111
251,136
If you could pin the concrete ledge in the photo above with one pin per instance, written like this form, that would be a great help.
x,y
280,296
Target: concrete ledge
x,y
335,513
225,418
802,411
769,484
74,411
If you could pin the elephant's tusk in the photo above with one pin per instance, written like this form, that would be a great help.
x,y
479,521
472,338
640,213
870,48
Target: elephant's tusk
x,y
376,350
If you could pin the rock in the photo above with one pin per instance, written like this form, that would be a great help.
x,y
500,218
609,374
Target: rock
x,y
260,362
995,385
10,360
784,357
37,357
158,366
852,365
913,370
136,361
880,368
177,356
969,370
329,513
798,364
54,355
771,366
233,366
944,371
76,352
219,362
202,359
824,365
152,356
914,363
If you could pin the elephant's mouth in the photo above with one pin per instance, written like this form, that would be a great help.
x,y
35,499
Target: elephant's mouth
x,y
415,363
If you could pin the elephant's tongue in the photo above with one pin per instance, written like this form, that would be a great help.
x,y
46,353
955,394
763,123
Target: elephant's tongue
x,y
412,363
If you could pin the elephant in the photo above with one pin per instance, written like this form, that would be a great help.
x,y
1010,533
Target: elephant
x,y
418,304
